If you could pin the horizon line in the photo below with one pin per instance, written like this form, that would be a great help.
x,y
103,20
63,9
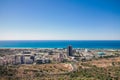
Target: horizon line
x,y
64,40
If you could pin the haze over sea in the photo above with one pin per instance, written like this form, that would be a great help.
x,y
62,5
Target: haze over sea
x,y
111,44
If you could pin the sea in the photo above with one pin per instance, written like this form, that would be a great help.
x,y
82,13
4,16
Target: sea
x,y
109,44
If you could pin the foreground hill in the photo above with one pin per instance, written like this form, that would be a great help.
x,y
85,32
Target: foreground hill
x,y
101,69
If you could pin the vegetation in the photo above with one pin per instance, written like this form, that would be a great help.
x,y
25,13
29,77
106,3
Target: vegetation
x,y
85,71
95,73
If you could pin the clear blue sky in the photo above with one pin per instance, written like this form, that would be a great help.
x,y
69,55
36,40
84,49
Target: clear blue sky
x,y
59,20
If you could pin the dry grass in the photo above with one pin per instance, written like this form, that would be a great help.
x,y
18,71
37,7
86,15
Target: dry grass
x,y
46,68
105,62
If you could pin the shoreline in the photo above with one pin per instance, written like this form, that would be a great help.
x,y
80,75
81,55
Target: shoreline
x,y
50,48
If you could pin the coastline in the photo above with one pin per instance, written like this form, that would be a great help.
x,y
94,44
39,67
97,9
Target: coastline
x,y
51,44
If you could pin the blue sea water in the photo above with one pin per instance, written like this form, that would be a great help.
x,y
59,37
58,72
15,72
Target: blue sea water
x,y
60,44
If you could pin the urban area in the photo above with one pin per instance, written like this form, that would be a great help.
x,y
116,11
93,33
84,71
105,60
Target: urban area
x,y
59,64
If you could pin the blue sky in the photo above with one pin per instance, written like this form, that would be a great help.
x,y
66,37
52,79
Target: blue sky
x,y
59,20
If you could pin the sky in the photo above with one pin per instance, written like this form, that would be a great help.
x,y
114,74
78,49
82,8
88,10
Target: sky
x,y
59,20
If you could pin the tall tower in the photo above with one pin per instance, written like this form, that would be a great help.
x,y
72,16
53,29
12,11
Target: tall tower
x,y
22,59
69,50
15,59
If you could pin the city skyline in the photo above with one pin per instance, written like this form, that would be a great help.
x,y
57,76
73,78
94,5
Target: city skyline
x,y
59,20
